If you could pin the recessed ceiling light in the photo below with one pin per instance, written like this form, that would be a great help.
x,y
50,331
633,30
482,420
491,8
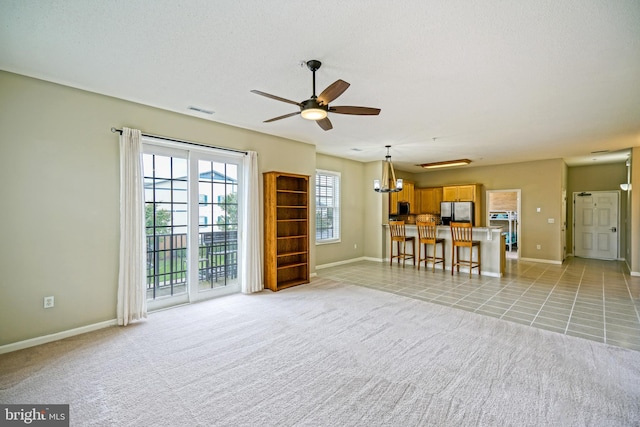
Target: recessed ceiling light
x,y
446,164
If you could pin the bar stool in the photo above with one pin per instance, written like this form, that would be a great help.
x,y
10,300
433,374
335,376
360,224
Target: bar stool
x,y
398,235
427,237
461,237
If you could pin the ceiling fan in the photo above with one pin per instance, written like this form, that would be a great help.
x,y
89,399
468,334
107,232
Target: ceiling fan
x,y
317,107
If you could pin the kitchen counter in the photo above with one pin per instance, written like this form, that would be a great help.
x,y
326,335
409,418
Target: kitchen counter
x,y
492,247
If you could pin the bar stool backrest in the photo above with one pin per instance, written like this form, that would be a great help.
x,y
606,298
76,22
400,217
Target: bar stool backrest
x,y
461,233
426,231
397,230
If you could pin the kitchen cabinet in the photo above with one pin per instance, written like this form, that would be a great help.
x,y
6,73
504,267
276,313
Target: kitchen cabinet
x,y
466,193
286,230
406,195
461,193
428,200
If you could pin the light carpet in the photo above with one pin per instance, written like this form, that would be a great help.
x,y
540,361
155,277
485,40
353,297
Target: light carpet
x,y
327,354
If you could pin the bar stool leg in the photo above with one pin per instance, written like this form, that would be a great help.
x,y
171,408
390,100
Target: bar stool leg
x,y
404,253
413,254
435,246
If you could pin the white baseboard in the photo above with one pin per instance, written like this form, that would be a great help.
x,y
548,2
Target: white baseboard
x,y
352,260
545,261
465,270
492,274
7,348
347,261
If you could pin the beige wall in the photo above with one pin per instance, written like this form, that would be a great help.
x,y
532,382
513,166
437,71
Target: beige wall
x,y
376,213
364,211
351,245
60,212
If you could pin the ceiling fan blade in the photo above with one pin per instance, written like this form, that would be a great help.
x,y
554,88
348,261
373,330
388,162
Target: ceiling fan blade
x,y
277,98
334,90
282,117
358,111
325,123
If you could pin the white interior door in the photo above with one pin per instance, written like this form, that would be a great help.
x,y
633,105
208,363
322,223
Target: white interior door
x,y
596,224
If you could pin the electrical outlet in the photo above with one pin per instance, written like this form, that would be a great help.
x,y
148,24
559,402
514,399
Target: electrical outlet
x,y
48,302
538,247
355,246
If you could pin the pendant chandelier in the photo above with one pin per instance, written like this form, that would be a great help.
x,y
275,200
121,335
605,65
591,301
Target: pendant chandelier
x,y
388,183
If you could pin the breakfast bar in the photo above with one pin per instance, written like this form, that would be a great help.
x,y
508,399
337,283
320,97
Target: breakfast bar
x,y
492,247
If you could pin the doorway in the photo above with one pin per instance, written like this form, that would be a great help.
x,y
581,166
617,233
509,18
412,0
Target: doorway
x,y
503,209
596,224
192,228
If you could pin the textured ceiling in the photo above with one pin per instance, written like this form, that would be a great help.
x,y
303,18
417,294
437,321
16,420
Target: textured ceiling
x,y
493,81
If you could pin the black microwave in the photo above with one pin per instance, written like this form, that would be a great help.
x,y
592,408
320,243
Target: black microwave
x,y
403,208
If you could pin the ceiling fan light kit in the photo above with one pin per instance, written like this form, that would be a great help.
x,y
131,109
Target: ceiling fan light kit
x,y
312,110
446,164
389,183
313,114
317,107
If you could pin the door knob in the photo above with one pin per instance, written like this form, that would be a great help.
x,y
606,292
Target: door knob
x,y
613,229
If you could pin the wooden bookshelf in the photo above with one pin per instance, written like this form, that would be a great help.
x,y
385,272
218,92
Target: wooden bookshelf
x,y
286,230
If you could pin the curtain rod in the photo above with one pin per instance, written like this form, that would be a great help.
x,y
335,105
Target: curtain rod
x,y
114,130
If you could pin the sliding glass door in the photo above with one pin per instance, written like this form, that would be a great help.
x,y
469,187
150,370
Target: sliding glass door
x,y
191,205
217,223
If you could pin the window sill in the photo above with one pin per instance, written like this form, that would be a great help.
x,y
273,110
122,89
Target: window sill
x,y
327,242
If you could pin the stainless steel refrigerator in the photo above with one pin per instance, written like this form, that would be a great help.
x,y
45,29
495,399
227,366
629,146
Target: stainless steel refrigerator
x,y
457,212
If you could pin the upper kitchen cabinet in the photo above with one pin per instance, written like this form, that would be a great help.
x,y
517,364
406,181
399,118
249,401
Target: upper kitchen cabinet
x,y
428,200
466,193
462,193
406,195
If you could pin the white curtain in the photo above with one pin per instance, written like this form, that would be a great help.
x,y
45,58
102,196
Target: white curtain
x,y
132,300
251,254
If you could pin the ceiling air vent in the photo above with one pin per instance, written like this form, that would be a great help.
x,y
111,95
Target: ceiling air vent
x,y
200,110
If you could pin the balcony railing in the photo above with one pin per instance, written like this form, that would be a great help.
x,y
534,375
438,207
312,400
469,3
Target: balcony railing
x,y
167,262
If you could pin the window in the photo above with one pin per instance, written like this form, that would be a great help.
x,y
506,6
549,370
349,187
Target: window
x,y
327,206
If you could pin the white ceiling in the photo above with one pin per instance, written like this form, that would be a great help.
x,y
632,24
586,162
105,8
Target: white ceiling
x,y
493,81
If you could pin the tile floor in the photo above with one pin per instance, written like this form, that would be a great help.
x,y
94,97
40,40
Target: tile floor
x,y
593,299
